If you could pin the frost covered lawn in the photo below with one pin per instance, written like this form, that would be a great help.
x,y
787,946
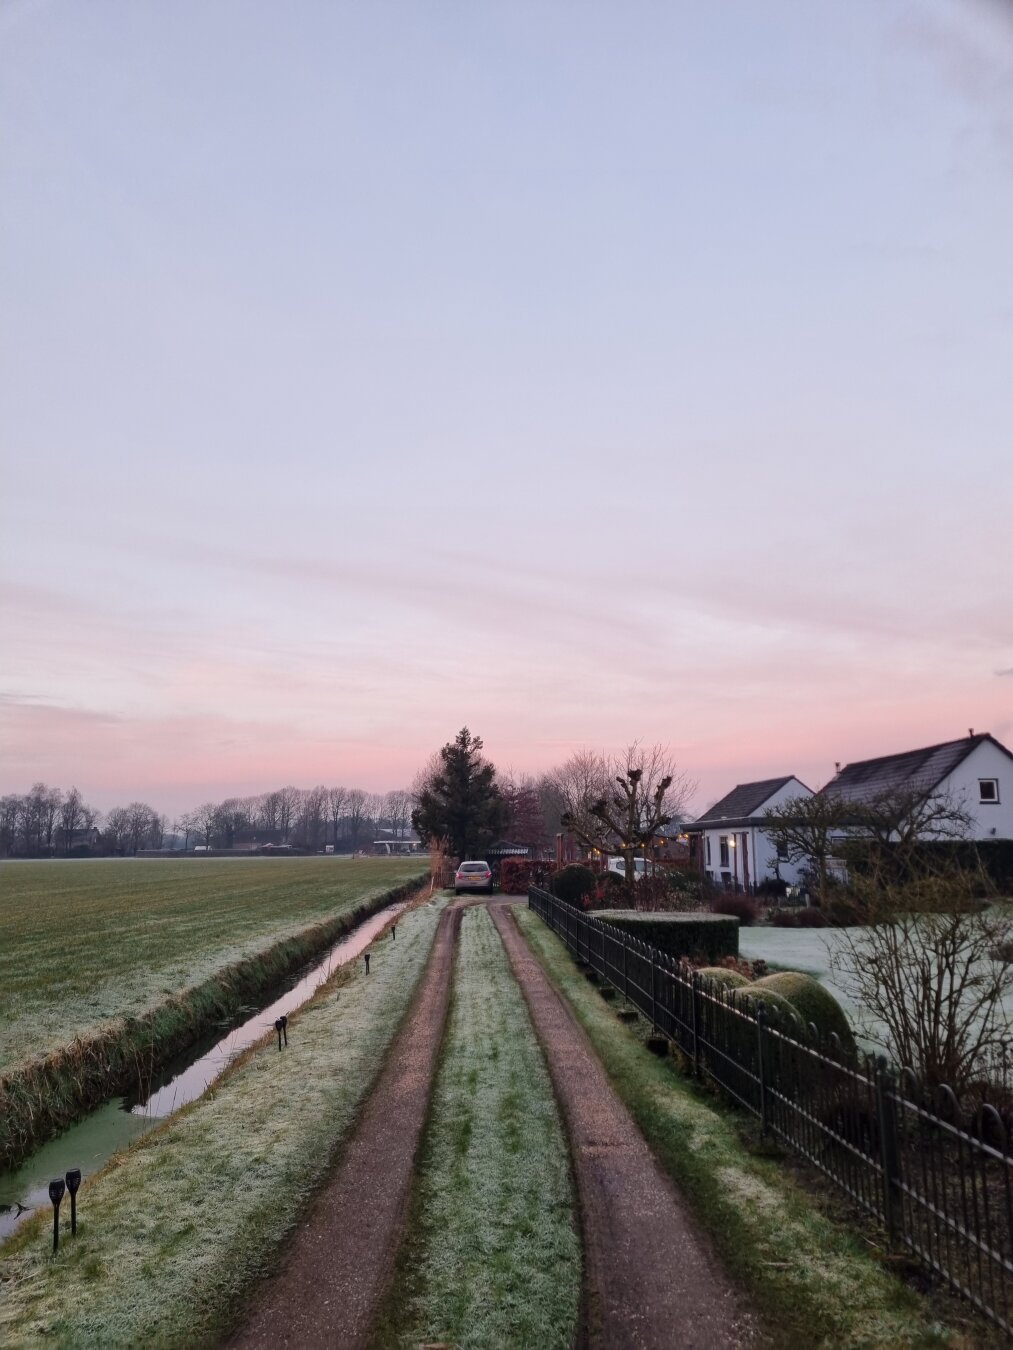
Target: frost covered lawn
x,y
815,1283
172,1233
492,1257
82,941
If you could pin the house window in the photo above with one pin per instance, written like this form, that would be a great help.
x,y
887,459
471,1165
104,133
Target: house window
x,y
782,853
724,851
708,848
988,791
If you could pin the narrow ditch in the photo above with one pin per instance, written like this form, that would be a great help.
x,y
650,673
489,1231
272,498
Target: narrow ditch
x,y
92,1141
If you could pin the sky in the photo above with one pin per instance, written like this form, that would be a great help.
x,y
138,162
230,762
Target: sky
x,y
579,372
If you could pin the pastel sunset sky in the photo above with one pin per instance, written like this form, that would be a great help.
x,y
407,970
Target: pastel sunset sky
x,y
581,372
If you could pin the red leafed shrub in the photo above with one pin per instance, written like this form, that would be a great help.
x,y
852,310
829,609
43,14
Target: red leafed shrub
x,y
739,907
513,876
517,874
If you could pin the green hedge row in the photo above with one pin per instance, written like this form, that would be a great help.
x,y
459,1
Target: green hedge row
x,y
705,936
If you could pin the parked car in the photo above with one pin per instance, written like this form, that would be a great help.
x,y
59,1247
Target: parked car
x,y
473,876
642,867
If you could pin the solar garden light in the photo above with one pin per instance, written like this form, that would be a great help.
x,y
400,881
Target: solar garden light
x,y
277,1027
56,1190
367,963
393,932
73,1185
283,1019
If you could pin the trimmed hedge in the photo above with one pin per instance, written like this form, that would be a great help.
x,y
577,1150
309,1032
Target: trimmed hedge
x,y
814,1004
724,976
710,936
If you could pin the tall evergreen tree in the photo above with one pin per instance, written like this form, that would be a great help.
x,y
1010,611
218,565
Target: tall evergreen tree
x,y
461,802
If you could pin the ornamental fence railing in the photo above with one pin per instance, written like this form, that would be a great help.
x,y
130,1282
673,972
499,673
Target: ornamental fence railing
x,y
940,1182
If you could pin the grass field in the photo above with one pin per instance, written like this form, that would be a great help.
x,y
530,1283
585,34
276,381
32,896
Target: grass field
x,y
173,1232
82,942
492,1256
815,1283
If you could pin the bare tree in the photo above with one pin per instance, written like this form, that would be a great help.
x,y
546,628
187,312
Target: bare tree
x,y
356,804
71,813
336,798
204,820
11,808
398,810
806,831
930,968
288,805
617,804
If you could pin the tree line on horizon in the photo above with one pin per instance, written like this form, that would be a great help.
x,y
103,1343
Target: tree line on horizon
x,y
526,810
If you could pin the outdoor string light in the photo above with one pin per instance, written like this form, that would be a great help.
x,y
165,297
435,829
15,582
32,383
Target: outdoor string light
x,y
73,1185
56,1190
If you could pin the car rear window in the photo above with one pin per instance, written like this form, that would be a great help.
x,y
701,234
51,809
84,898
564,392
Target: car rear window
x,y
474,867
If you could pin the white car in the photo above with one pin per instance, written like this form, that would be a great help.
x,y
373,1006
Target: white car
x,y
642,867
473,876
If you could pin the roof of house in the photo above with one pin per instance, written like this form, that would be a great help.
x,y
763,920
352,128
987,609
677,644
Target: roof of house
x,y
741,803
912,771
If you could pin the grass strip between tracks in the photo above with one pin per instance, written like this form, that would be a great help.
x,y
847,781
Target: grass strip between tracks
x,y
813,1282
174,1230
492,1253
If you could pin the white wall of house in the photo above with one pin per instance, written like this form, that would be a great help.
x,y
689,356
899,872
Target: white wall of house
x,y
753,851
986,763
753,856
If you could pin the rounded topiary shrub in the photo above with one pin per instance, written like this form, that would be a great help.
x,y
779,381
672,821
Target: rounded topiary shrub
x,y
722,976
814,1004
572,884
779,1011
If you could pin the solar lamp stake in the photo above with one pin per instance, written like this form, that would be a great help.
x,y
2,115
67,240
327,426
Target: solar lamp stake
x,y
56,1190
277,1027
367,963
73,1185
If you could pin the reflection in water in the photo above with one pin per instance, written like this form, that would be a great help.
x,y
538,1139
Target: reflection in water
x,y
90,1143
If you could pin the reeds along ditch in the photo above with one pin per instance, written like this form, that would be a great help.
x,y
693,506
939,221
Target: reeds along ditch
x,y
41,1097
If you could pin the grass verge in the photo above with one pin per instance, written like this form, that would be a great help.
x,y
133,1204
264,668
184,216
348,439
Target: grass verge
x,y
811,1281
39,1097
492,1254
173,1232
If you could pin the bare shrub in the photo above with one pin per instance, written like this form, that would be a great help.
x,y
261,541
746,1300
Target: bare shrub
x,y
925,967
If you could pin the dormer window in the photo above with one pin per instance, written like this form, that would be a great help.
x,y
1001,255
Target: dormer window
x,y
988,791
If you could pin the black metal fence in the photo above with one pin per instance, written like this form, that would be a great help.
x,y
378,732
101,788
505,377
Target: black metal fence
x,y
941,1184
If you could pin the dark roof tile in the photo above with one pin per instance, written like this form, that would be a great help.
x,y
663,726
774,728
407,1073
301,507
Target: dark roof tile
x,y
743,801
912,771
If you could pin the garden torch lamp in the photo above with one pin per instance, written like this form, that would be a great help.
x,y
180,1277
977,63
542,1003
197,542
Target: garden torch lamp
x,y
56,1190
73,1185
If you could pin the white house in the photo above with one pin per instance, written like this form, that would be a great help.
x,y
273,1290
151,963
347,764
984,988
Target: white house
x,y
974,773
729,840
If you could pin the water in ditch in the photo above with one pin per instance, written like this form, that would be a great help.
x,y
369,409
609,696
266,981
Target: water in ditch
x,y
92,1141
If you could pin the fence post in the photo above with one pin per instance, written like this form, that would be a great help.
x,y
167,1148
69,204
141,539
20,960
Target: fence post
x,y
626,982
761,1023
695,1004
889,1150
654,1010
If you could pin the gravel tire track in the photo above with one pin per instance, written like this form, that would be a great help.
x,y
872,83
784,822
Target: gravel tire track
x,y
651,1278
341,1258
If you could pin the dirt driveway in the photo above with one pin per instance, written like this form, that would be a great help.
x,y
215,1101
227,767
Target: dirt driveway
x,y
340,1260
651,1278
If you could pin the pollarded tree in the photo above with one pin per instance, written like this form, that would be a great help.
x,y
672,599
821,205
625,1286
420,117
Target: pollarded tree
x,y
460,802
617,804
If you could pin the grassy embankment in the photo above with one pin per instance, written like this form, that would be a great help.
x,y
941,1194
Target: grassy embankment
x,y
172,1233
108,967
814,1283
492,1253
